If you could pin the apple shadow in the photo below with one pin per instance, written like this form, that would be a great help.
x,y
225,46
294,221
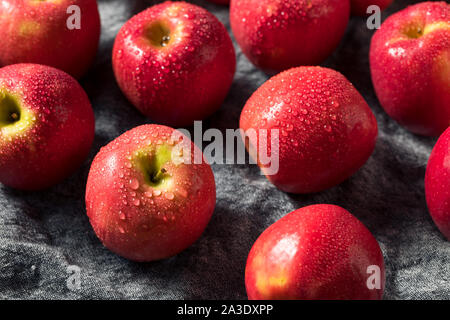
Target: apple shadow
x,y
213,266
387,195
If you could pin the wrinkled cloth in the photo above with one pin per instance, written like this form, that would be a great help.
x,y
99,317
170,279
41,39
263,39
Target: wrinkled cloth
x,y
43,235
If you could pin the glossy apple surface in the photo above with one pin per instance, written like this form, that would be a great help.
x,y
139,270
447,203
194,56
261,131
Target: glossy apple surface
x,y
279,34
316,252
37,32
410,65
46,126
437,184
141,203
359,7
175,62
326,129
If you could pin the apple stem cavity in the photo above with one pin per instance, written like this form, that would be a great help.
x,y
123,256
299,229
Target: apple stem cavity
x,y
153,164
415,33
9,110
159,34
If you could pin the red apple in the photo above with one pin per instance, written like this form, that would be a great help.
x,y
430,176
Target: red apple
x,y
143,204
437,183
223,2
359,7
326,129
314,253
37,32
410,65
46,126
279,34
175,62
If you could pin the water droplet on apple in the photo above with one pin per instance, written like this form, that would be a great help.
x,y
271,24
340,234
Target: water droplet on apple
x,y
169,195
134,184
148,194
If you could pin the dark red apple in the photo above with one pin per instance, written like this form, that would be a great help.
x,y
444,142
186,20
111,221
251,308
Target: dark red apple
x,y
410,65
326,129
142,202
279,34
46,126
359,7
316,252
437,183
175,62
37,32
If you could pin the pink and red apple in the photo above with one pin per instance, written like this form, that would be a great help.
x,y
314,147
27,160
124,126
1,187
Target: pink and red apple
x,y
175,62
326,129
410,65
319,252
359,7
437,184
46,126
143,203
279,34
37,32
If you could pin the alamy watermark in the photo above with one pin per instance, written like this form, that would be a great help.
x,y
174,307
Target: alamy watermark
x,y
374,280
374,20
263,147
73,22
73,282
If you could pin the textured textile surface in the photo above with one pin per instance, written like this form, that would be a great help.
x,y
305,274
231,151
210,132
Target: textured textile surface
x,y
42,233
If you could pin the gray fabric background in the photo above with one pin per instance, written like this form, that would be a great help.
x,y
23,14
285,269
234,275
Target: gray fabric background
x,y
42,233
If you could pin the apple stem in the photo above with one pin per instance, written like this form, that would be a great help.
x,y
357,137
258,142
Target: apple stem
x,y
158,175
165,40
